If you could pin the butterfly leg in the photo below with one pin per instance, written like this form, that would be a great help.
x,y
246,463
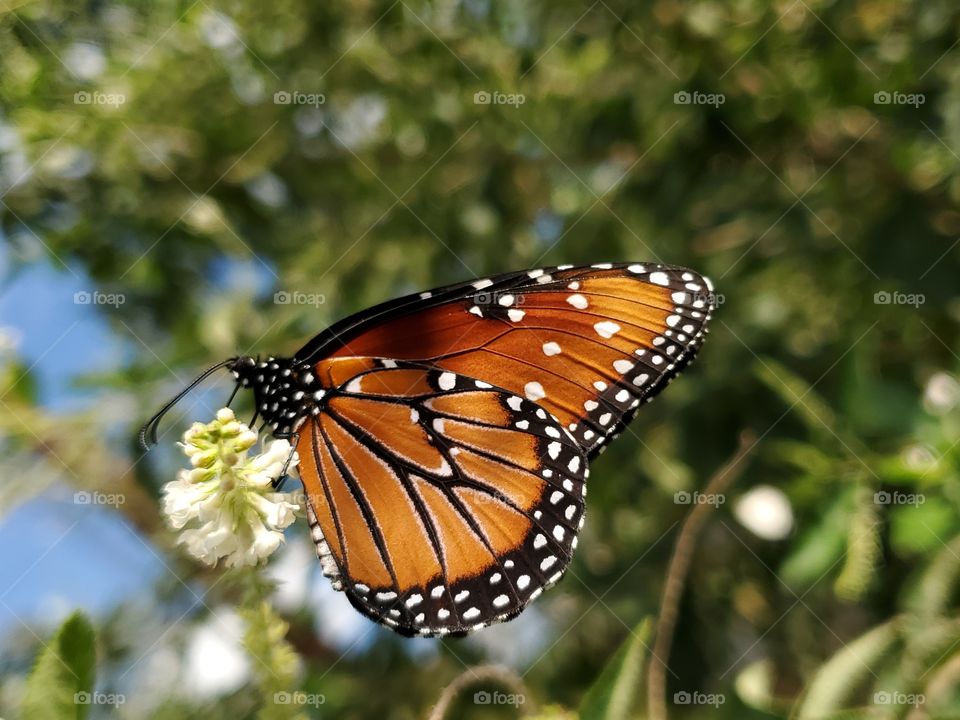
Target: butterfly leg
x,y
293,438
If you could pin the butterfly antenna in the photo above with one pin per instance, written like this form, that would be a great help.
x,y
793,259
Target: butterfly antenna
x,y
148,433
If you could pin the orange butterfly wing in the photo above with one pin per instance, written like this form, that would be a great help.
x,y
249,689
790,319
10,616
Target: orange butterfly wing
x,y
589,344
438,503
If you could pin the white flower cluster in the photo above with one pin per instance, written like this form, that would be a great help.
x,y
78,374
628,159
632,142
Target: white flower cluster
x,y
229,494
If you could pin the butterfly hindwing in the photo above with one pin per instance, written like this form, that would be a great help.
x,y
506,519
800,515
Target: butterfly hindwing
x,y
438,502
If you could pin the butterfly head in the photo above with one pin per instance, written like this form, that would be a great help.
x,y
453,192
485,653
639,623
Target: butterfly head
x,y
284,392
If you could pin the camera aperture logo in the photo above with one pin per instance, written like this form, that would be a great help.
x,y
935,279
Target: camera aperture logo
x,y
295,97
496,697
95,297
686,97
886,97
495,97
885,297
295,297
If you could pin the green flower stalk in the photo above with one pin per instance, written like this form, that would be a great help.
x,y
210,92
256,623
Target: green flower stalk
x,y
230,495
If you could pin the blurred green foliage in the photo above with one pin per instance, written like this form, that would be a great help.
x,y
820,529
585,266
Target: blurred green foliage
x,y
805,194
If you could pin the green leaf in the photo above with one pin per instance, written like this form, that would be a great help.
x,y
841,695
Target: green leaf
x,y
834,685
937,587
863,548
821,546
613,693
797,393
918,527
63,675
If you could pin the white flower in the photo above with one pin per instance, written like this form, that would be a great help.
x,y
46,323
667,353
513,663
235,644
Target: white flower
x,y
766,512
238,515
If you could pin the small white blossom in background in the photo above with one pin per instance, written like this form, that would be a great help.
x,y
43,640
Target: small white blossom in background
x,y
942,393
765,511
230,496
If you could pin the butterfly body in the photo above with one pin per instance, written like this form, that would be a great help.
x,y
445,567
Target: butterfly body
x,y
444,437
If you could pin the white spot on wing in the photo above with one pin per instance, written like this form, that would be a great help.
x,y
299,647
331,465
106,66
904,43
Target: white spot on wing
x,y
534,391
551,348
659,278
578,301
606,328
447,381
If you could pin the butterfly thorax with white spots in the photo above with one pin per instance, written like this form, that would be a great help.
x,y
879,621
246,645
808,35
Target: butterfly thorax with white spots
x,y
284,391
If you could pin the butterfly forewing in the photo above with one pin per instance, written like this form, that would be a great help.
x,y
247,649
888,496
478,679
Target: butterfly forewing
x,y
438,502
589,344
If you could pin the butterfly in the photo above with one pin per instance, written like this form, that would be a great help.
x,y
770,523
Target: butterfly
x,y
445,437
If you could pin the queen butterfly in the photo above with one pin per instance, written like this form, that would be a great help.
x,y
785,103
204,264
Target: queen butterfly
x,y
445,436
